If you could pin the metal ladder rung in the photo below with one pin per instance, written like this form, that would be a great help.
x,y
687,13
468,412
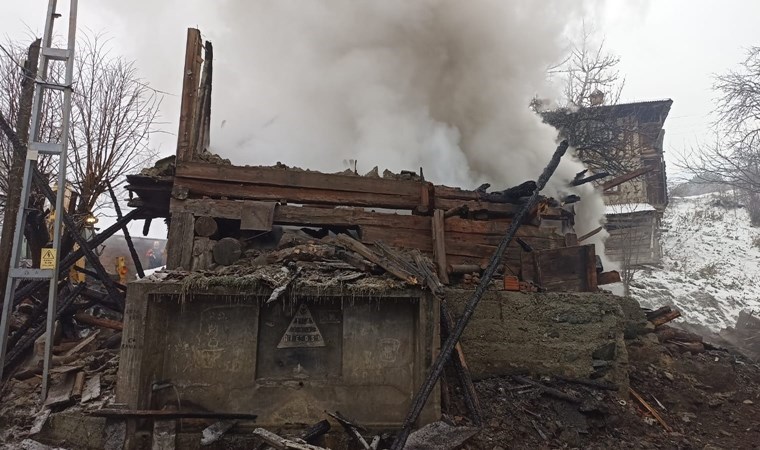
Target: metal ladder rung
x,y
32,273
47,148
58,54
54,86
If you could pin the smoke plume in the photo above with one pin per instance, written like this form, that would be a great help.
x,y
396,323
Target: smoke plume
x,y
439,84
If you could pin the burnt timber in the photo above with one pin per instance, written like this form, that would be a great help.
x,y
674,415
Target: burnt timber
x,y
403,211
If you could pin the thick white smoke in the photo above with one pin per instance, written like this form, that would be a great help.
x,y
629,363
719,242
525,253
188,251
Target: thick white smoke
x,y
439,84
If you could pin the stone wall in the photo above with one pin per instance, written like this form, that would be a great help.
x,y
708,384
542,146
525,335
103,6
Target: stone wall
x,y
287,361
573,335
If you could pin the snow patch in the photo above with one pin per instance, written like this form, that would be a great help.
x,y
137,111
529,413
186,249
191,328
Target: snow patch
x,y
711,262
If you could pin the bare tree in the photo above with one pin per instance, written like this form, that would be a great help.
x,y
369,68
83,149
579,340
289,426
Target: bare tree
x,y
734,156
12,78
113,115
602,136
589,69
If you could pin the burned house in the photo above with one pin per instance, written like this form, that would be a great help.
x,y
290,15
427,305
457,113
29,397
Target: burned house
x,y
289,293
624,141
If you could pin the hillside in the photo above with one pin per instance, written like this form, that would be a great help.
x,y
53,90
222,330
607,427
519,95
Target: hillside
x,y
711,263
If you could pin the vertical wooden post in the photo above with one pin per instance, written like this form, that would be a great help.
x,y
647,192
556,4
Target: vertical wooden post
x,y
191,77
592,281
16,173
180,242
439,246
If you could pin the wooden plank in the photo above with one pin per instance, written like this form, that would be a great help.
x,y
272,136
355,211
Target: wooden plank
x,y
193,62
296,194
301,179
504,209
91,388
181,232
167,414
493,226
420,240
566,269
60,394
439,246
361,249
280,443
455,193
303,215
259,217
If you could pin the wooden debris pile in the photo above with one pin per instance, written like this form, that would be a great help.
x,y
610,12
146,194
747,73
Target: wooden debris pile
x,y
83,378
679,340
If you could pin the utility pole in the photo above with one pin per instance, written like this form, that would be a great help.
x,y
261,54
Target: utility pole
x,y
15,175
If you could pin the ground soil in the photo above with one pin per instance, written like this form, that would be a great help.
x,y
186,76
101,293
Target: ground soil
x,y
710,400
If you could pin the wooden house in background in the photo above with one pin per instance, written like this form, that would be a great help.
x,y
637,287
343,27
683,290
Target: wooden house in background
x,y
626,141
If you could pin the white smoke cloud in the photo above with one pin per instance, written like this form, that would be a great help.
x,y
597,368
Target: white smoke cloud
x,y
439,84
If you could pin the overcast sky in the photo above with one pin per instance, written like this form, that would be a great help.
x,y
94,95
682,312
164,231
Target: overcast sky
x,y
669,49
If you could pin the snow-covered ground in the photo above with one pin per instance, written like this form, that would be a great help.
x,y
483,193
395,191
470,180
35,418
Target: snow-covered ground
x,y
711,263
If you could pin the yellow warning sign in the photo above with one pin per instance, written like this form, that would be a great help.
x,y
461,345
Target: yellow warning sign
x,y
47,261
302,331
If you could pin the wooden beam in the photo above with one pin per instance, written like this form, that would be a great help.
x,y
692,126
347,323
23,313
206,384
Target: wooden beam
x,y
617,181
356,246
193,60
439,245
168,414
303,215
323,196
125,231
181,232
301,179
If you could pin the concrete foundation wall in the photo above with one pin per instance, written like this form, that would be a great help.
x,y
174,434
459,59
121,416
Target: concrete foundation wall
x,y
573,335
287,361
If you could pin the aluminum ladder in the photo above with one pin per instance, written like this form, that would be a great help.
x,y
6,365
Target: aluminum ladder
x,y
35,148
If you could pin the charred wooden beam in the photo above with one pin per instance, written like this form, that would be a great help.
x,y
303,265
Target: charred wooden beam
x,y
316,431
193,61
617,181
127,237
421,397
66,263
590,234
99,321
27,341
390,267
73,231
94,275
597,176
463,371
439,245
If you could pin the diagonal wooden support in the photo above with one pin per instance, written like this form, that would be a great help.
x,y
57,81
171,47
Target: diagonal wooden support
x,y
71,258
447,349
72,228
127,237
463,372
